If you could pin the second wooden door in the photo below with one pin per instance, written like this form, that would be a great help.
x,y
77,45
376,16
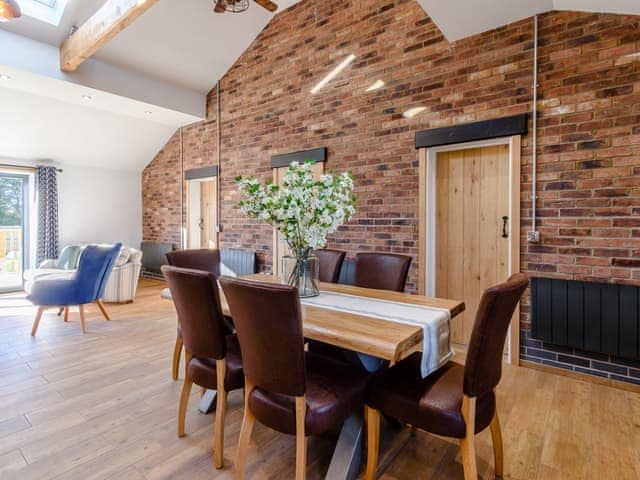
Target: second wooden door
x,y
208,214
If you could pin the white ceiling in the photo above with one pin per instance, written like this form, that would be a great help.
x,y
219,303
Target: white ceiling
x,y
463,18
191,45
39,128
181,42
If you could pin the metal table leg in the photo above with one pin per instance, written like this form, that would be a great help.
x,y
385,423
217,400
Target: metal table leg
x,y
208,402
347,456
346,462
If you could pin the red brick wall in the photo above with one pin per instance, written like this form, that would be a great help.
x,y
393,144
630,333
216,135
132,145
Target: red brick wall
x,y
589,126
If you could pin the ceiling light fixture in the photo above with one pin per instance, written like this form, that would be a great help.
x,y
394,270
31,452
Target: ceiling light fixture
x,y
9,9
333,73
87,97
412,112
148,112
231,6
4,76
375,86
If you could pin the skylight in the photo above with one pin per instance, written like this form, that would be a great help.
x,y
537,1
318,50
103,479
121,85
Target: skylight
x,y
48,11
48,3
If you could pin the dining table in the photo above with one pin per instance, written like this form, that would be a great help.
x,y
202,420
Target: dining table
x,y
366,334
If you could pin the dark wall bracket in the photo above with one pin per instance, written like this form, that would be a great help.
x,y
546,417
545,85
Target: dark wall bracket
x,y
285,159
471,132
202,172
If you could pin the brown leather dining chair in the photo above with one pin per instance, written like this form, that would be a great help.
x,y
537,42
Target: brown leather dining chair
x,y
330,264
287,389
198,259
456,401
384,271
212,355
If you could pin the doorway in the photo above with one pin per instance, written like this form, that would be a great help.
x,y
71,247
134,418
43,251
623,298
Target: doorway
x,y
14,229
202,213
470,225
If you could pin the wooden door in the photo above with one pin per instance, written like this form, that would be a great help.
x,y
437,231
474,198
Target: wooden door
x,y
472,197
208,214
280,248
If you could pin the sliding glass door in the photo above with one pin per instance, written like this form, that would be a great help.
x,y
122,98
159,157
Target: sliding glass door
x,y
14,229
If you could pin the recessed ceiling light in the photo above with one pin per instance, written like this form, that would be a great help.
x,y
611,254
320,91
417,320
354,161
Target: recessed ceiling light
x,y
148,112
4,76
412,112
87,97
333,73
375,85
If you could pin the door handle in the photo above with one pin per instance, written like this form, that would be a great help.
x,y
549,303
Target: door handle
x,y
201,224
505,219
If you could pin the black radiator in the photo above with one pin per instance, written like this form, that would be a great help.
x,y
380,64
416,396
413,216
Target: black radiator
x,y
596,317
153,258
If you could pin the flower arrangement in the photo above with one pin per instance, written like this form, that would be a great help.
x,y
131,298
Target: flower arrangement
x,y
305,211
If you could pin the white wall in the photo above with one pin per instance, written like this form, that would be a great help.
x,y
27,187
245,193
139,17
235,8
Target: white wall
x,y
99,205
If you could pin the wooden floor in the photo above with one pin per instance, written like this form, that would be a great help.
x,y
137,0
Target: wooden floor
x,y
103,406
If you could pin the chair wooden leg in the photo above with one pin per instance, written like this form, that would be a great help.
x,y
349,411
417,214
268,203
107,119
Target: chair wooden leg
x,y
221,407
82,323
373,441
245,433
301,439
102,309
184,403
36,321
177,351
467,444
66,314
496,437
60,310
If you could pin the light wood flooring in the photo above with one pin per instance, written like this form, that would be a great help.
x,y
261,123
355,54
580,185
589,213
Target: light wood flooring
x,y
103,406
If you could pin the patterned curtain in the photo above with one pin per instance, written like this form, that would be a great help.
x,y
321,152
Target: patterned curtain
x,y
47,197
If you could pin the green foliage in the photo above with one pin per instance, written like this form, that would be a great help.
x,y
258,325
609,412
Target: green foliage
x,y
11,201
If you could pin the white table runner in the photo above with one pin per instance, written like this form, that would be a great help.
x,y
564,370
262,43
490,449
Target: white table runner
x,y
435,322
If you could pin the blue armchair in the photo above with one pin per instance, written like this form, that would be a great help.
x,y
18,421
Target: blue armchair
x,y
85,286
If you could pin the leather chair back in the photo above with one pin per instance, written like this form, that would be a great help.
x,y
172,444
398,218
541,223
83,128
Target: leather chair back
x,y
94,268
330,264
483,367
269,325
207,259
384,271
196,298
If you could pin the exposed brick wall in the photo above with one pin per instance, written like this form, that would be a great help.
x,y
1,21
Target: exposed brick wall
x,y
589,126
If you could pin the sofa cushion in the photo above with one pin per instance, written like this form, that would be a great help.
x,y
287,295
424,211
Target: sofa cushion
x,y
68,259
123,257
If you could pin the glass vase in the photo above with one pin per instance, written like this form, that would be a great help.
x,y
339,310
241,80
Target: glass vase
x,y
301,272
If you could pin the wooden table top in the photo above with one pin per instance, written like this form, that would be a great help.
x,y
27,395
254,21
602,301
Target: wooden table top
x,y
375,336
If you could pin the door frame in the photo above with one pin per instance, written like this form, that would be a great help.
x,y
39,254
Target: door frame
x,y
26,177
189,182
427,164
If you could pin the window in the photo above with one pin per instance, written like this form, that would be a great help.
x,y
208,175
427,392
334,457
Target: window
x,y
48,11
48,3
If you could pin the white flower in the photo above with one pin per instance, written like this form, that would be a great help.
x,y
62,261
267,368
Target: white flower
x,y
303,210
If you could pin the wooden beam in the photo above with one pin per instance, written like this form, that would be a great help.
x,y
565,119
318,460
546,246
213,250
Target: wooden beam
x,y
105,24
